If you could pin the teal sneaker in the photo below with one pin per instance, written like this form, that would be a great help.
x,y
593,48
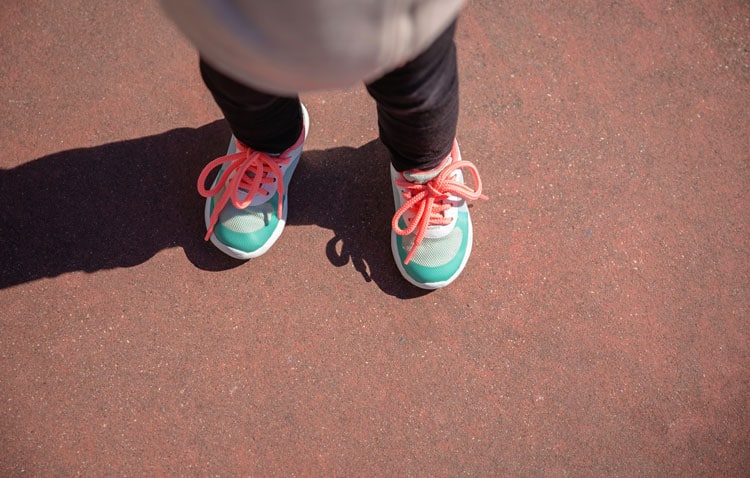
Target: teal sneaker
x,y
431,231
246,206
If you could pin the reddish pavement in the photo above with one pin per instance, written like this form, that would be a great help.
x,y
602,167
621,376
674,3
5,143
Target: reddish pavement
x,y
600,328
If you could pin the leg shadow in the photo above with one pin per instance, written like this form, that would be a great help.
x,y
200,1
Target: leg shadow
x,y
109,206
119,204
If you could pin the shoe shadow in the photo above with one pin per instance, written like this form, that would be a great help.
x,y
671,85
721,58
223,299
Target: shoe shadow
x,y
119,204
348,191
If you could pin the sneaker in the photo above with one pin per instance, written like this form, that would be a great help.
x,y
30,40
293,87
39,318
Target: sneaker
x,y
431,231
246,206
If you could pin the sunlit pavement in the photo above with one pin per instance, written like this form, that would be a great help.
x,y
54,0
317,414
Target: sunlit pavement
x,y
599,329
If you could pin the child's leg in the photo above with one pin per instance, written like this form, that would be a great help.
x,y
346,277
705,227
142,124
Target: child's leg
x,y
261,121
431,235
418,106
246,205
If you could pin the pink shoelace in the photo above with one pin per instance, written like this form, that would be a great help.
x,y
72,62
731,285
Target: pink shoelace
x,y
248,170
429,202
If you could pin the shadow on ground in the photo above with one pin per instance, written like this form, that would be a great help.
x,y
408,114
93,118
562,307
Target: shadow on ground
x,y
119,204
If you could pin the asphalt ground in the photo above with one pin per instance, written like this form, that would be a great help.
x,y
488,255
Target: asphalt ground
x,y
599,329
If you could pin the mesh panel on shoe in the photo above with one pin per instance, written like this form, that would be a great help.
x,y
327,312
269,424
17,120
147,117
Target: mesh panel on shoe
x,y
434,252
246,220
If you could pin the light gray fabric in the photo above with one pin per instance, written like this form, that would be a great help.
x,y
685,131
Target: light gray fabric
x,y
434,252
288,46
251,219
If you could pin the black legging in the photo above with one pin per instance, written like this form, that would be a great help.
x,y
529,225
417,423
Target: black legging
x,y
417,108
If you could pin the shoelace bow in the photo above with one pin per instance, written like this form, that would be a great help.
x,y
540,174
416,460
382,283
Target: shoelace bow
x,y
429,202
248,170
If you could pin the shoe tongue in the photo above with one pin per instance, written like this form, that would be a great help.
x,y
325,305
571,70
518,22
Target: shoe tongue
x,y
422,177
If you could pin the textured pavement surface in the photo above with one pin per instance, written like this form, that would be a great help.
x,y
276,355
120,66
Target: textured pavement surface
x,y
600,328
